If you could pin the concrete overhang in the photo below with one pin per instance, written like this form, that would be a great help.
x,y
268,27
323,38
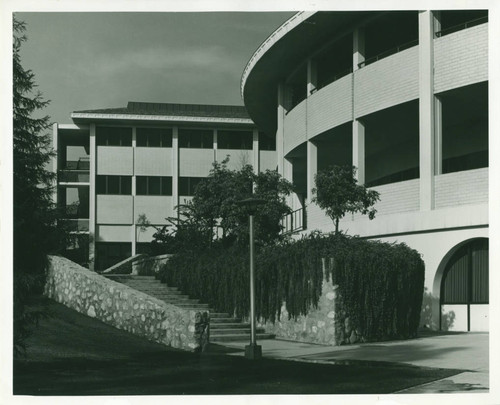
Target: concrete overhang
x,y
300,37
138,119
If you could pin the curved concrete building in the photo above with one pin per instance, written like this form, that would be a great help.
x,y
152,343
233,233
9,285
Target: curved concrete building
x,y
403,96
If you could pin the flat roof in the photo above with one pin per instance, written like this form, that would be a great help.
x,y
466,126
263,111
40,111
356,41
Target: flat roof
x,y
143,111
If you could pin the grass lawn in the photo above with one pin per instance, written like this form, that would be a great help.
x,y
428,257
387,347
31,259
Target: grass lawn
x,y
71,354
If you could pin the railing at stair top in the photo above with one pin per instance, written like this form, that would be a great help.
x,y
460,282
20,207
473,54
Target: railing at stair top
x,y
294,222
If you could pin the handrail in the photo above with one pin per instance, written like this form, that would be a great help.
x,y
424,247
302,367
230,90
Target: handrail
x,y
293,222
389,52
462,26
336,77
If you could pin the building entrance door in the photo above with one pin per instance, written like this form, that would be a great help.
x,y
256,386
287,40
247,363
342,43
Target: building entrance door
x,y
464,289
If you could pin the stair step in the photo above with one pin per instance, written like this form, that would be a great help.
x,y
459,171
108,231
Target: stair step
x,y
152,286
233,331
173,300
219,315
191,306
228,325
239,337
160,290
216,321
179,297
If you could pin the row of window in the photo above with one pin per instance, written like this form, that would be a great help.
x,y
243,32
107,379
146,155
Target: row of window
x,y
188,138
145,185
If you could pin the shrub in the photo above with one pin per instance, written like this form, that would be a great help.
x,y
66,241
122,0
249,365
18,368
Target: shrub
x,y
380,284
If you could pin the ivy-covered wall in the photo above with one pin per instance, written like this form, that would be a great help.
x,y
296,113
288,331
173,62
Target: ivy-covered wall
x,y
325,324
125,308
318,326
379,293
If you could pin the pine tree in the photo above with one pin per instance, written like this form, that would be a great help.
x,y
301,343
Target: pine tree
x,y
35,231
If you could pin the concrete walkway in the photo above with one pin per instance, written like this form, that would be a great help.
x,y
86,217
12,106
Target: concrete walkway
x,y
464,351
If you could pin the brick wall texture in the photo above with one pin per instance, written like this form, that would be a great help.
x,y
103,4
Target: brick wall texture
x,y
390,81
461,188
461,58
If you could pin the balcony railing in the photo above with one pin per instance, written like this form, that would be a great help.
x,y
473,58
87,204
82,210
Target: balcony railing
x,y
387,53
80,225
460,27
74,176
331,79
294,222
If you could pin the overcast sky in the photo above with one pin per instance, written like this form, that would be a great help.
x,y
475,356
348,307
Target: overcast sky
x,y
103,60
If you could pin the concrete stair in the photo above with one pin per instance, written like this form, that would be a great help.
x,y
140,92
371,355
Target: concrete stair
x,y
223,327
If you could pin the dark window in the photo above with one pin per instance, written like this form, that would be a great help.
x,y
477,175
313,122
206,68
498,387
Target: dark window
x,y
114,185
153,185
465,128
234,140
297,88
141,185
166,186
196,138
125,185
114,136
390,33
456,20
110,253
334,62
154,137
266,142
188,184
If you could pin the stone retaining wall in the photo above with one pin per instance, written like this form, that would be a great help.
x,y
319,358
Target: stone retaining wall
x,y
125,308
325,324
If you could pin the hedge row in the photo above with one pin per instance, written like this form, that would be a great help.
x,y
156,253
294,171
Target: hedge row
x,y
380,284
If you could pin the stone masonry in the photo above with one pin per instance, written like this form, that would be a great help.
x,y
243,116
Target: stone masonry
x,y
123,307
326,324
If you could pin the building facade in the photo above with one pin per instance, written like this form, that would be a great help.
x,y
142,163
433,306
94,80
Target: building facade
x,y
119,167
403,96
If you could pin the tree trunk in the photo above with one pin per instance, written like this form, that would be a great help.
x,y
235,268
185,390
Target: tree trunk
x,y
336,226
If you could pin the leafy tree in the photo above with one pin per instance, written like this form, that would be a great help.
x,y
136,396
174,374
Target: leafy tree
x,y
338,193
35,231
215,207
216,200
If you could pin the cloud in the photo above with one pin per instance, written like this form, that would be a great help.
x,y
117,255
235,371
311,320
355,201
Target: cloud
x,y
211,58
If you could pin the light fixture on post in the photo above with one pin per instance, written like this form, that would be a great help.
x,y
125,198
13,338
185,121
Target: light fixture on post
x,y
252,351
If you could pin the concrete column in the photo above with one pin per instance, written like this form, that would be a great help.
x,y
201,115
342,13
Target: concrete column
x,y
312,168
438,136
216,156
175,170
312,76
255,150
55,130
280,131
358,48
426,109
288,175
92,197
358,150
134,219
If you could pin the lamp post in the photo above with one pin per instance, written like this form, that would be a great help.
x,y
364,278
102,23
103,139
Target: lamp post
x,y
253,350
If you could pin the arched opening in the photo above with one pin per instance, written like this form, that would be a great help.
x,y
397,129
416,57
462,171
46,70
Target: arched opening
x,y
464,294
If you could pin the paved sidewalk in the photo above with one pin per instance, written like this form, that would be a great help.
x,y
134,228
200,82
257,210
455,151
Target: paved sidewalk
x,y
466,351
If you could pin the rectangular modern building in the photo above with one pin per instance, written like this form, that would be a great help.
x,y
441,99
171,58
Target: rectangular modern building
x,y
117,167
